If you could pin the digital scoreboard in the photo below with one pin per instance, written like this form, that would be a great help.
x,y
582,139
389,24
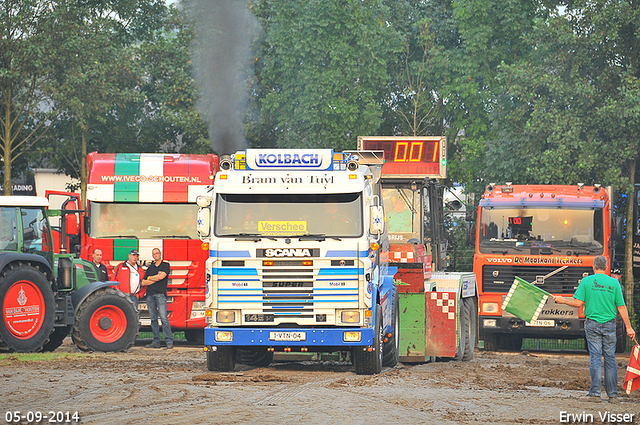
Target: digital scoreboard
x,y
414,157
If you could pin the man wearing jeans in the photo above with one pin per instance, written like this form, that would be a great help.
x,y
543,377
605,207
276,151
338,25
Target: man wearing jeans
x,y
156,279
601,296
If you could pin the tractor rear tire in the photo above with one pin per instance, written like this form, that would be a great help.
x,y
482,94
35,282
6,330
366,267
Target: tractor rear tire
x,y
221,360
463,330
106,321
471,326
258,357
391,348
370,362
57,337
28,308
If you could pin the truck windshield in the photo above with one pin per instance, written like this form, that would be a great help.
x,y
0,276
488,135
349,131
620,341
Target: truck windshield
x,y
401,208
143,221
577,229
330,215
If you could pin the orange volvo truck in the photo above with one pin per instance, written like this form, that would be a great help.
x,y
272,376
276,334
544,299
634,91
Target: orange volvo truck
x,y
547,235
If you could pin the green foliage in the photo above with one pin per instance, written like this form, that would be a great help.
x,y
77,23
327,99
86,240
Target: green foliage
x,y
321,68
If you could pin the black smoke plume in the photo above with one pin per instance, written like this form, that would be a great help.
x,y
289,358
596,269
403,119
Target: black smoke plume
x,y
221,59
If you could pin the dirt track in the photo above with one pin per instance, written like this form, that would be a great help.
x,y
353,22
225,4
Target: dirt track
x,y
168,387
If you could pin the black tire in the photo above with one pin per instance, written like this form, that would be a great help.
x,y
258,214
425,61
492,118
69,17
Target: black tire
x,y
462,331
57,337
222,360
106,321
258,356
472,323
490,342
370,362
391,350
510,342
621,335
194,336
38,291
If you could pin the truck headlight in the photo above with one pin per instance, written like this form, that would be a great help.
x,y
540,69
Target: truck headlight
x,y
350,316
198,305
352,336
224,336
490,307
490,323
225,316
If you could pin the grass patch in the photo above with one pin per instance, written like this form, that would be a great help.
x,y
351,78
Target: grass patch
x,y
177,336
11,358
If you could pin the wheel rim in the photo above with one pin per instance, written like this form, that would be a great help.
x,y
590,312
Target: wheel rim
x,y
108,323
23,309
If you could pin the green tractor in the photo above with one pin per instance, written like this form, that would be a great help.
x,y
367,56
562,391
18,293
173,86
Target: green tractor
x,y
44,295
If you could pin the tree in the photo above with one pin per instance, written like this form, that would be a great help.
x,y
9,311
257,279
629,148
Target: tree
x,y
94,76
568,113
26,53
321,70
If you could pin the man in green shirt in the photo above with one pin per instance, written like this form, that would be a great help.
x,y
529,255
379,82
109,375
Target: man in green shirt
x,y
601,296
400,218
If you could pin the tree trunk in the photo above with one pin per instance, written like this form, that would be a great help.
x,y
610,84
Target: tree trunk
x,y
6,156
83,171
7,175
628,243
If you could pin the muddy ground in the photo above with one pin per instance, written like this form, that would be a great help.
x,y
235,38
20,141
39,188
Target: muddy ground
x,y
147,386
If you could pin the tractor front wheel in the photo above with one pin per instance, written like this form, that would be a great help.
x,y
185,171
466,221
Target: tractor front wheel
x,y
106,321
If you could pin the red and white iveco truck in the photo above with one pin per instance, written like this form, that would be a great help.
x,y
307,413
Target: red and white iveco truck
x,y
142,201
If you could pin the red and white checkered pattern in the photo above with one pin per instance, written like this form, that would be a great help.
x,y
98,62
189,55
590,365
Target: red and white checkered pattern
x,y
402,257
448,304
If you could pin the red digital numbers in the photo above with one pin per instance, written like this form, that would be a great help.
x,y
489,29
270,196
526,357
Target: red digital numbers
x,y
410,156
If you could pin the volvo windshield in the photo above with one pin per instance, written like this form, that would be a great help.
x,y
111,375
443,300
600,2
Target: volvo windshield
x,y
559,229
143,221
317,216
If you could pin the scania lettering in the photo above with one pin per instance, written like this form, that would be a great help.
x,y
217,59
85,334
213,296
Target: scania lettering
x,y
143,201
547,235
298,259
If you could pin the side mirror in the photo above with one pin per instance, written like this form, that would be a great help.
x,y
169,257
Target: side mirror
x,y
471,233
203,225
203,201
376,219
71,222
470,215
617,229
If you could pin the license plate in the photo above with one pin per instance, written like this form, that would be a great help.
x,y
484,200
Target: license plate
x,y
287,336
142,306
542,323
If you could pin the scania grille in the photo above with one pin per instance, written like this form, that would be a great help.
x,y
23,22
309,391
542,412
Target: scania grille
x,y
287,292
500,278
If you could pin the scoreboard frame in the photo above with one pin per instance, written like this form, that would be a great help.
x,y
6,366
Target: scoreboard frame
x,y
409,156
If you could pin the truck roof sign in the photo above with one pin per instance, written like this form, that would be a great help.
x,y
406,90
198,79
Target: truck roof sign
x,y
289,159
415,156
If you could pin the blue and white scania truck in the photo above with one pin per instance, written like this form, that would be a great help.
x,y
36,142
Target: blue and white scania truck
x,y
298,259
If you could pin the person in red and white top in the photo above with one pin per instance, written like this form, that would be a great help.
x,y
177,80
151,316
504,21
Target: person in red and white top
x,y
128,274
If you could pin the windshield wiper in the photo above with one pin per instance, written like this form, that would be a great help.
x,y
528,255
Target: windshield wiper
x,y
171,237
313,236
250,236
121,237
